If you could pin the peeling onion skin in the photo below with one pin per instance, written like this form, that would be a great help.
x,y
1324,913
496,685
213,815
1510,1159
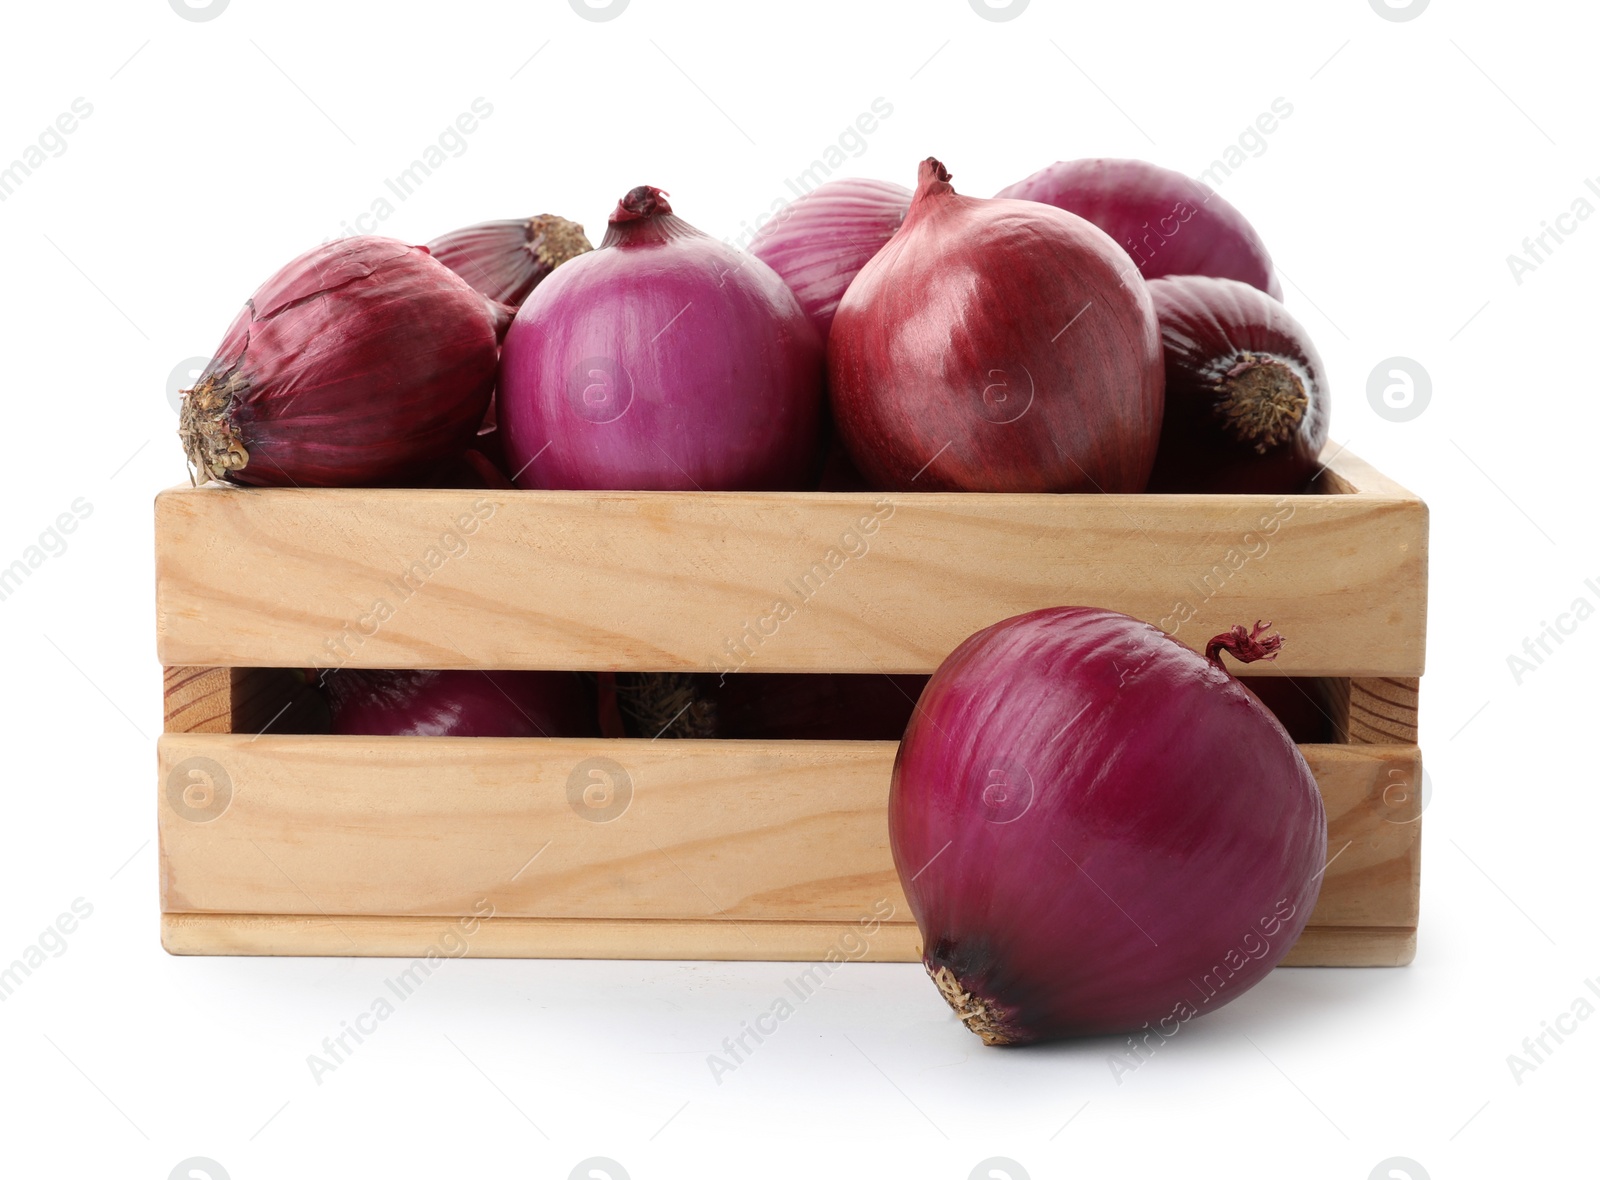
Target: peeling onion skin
x,y
996,346
820,242
1138,203
378,703
1247,402
665,360
363,362
1090,820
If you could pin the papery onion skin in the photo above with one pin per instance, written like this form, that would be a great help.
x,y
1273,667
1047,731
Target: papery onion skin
x,y
1167,222
996,346
377,703
361,363
1097,828
1247,402
505,260
663,361
819,243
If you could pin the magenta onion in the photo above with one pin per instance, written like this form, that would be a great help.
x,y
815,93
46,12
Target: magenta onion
x,y
1247,404
461,703
996,346
1168,223
665,360
507,259
1098,829
362,362
820,242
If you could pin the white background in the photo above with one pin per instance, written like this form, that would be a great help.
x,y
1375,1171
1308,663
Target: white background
x,y
1418,156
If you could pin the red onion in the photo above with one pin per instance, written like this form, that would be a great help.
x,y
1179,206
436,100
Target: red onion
x,y
461,704
1247,404
665,360
1099,829
821,241
1168,223
775,706
473,469
507,259
995,346
362,362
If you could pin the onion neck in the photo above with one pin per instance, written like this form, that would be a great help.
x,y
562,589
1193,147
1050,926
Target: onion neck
x,y
204,425
642,218
1263,401
1245,646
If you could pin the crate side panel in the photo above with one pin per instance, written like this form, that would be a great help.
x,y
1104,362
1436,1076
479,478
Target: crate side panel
x,y
590,828
765,582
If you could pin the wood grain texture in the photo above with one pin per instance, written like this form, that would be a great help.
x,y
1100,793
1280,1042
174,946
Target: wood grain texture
x,y
1382,711
769,581
554,938
240,700
730,832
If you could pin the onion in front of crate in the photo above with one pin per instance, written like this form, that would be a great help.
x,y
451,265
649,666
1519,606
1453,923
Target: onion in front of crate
x,y
362,362
996,346
379,702
663,361
1169,223
505,260
1247,403
820,242
1099,829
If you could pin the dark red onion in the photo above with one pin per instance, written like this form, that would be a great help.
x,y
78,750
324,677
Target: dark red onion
x,y
665,360
461,703
820,242
996,346
1168,223
507,259
1247,403
799,706
1099,829
474,470
363,362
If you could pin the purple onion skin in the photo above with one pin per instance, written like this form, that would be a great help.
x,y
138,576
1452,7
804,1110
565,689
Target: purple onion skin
x,y
1247,402
1097,829
820,242
378,703
996,346
361,363
663,361
1169,223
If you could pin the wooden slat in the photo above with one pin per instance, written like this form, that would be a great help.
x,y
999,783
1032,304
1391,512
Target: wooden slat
x,y
660,581
197,700
537,938
723,832
554,938
1382,712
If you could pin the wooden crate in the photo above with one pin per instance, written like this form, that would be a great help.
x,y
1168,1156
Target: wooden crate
x,y
278,844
